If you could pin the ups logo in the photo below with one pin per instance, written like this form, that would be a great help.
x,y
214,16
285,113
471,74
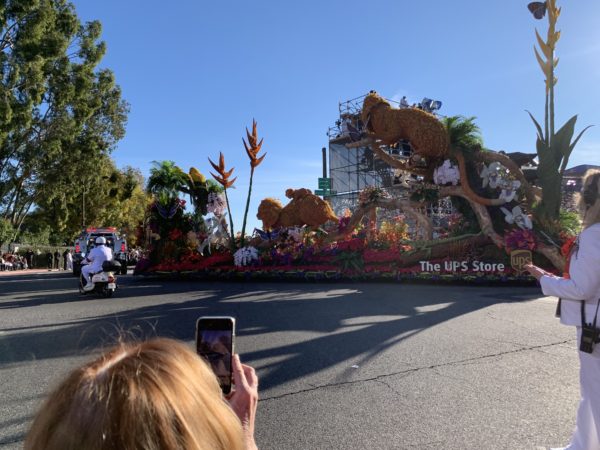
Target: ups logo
x,y
519,258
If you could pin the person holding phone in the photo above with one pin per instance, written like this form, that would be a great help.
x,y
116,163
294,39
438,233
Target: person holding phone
x,y
156,394
579,293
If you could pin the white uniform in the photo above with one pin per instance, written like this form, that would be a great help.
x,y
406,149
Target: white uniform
x,y
96,257
584,284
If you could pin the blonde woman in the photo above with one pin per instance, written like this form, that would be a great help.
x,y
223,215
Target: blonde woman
x,y
154,395
579,292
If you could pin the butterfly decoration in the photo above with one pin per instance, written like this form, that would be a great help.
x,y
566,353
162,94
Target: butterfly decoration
x,y
538,9
266,235
167,211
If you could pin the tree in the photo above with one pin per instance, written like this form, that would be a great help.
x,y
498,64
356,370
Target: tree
x,y
7,232
60,116
115,197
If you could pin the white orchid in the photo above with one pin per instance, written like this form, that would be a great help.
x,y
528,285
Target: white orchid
x,y
492,174
509,189
245,256
216,234
446,173
216,204
518,217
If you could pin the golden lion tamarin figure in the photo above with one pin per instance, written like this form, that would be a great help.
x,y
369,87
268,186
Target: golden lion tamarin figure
x,y
268,212
424,131
305,208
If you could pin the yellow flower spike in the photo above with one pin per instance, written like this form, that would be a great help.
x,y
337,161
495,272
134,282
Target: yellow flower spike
x,y
546,49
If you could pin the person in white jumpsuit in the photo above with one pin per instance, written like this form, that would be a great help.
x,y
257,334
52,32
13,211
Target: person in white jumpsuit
x,y
582,287
96,257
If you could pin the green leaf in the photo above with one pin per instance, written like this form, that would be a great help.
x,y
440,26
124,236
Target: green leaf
x,y
574,143
538,126
561,141
542,150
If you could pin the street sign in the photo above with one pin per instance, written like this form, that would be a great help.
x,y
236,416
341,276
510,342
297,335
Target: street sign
x,y
324,183
325,192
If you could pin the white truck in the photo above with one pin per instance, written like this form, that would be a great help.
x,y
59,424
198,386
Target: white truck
x,y
87,240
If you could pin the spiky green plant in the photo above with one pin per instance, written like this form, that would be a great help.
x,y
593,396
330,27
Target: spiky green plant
x,y
553,148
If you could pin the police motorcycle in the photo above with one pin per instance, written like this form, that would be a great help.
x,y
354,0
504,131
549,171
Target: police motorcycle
x,y
103,282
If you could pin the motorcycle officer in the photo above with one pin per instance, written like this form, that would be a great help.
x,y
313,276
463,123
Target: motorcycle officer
x,y
96,257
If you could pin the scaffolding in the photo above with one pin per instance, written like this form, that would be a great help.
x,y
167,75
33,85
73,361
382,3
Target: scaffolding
x,y
353,168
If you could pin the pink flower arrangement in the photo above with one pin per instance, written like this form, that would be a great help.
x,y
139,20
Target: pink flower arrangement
x,y
519,239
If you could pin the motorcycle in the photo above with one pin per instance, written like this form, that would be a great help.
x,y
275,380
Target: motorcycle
x,y
104,282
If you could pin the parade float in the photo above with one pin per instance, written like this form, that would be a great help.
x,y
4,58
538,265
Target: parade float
x,y
410,195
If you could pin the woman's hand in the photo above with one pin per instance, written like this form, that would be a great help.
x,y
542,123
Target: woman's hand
x,y
244,399
535,271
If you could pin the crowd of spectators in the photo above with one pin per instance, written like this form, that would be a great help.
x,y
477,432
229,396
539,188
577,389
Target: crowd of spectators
x,y
13,261
10,261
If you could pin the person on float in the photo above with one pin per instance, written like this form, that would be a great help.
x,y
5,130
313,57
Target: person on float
x,y
95,257
579,294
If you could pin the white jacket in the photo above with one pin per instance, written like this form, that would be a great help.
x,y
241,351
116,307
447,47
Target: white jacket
x,y
97,256
584,283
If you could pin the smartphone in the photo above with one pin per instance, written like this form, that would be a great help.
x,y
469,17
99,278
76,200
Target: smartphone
x,y
215,337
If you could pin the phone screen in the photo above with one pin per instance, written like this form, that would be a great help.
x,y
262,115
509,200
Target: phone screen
x,y
214,342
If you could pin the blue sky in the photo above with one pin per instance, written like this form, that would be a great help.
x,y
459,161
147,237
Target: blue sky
x,y
196,73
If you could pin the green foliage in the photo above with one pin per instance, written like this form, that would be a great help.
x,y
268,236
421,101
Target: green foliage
x,y
7,232
31,238
570,222
60,115
468,223
463,132
553,154
115,197
166,177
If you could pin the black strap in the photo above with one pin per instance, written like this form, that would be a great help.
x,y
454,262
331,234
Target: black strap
x,y
583,321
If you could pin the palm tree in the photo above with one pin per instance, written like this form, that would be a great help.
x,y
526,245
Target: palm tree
x,y
166,177
463,132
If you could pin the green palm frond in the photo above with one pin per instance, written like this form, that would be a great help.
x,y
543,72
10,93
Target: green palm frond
x,y
463,132
166,176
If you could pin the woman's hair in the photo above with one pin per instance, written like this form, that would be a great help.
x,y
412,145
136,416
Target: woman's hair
x,y
589,199
153,395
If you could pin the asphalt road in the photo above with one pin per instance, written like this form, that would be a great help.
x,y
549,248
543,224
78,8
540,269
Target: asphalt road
x,y
341,366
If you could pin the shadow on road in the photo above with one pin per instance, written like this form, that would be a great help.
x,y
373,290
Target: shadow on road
x,y
346,318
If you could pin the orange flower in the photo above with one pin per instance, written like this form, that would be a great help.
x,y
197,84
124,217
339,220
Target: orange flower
x,y
223,179
253,146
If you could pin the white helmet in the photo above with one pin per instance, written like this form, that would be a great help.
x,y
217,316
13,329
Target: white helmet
x,y
100,241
